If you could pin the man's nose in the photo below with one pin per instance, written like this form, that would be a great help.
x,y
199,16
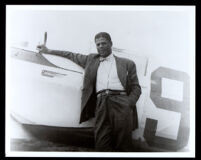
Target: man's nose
x,y
101,46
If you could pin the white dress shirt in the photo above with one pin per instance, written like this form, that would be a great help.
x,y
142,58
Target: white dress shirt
x,y
107,77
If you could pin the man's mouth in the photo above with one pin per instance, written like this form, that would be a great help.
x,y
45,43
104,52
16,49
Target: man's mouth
x,y
101,51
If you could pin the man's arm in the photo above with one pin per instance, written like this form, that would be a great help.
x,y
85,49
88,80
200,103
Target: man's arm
x,y
79,59
134,87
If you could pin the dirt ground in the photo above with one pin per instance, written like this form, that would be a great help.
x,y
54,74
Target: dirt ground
x,y
39,145
42,145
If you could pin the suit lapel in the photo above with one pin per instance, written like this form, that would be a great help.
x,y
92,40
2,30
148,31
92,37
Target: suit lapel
x,y
90,79
93,69
121,71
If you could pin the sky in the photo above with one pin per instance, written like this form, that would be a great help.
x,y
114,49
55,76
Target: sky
x,y
165,34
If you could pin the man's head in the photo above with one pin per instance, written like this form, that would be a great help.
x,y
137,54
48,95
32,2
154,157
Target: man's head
x,y
103,44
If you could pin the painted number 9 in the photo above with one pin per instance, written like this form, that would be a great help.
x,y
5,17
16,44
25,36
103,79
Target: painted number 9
x,y
169,104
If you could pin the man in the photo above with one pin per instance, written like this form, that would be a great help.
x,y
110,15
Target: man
x,y
110,92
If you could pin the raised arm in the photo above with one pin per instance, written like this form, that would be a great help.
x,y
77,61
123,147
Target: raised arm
x,y
79,59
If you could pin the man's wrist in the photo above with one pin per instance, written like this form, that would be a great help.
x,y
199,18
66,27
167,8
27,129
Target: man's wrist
x,y
132,100
49,51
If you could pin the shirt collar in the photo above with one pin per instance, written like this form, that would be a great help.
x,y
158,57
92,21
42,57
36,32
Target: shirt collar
x,y
108,58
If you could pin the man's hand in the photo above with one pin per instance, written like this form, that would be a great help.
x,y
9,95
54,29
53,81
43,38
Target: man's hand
x,y
43,49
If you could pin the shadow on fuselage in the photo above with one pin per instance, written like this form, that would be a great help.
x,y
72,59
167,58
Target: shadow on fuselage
x,y
53,138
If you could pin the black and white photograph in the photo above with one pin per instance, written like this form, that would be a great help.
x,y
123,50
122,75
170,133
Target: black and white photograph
x,y
100,81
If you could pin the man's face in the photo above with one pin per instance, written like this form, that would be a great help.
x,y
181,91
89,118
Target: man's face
x,y
104,47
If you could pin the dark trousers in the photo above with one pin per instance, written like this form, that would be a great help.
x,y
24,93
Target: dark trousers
x,y
113,124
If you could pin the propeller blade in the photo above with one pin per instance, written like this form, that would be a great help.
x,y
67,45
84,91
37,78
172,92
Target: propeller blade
x,y
45,38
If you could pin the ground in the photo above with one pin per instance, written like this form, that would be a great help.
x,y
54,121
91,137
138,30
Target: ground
x,y
40,145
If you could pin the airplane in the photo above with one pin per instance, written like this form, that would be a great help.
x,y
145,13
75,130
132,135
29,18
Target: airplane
x,y
44,98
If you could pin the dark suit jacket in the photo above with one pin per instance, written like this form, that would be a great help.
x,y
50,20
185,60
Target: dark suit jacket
x,y
126,70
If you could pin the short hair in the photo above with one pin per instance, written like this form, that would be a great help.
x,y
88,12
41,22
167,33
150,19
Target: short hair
x,y
104,35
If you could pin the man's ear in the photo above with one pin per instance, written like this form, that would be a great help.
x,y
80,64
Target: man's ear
x,y
111,43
